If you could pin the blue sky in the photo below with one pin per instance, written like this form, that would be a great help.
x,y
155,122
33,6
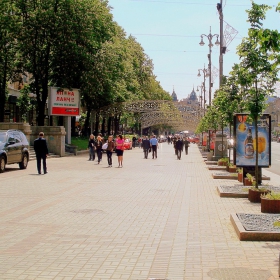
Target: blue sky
x,y
169,31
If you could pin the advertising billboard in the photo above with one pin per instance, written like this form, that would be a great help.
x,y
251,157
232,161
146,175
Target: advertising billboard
x,y
64,102
245,141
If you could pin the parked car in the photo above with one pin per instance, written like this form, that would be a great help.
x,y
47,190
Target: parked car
x,y
127,144
194,140
14,148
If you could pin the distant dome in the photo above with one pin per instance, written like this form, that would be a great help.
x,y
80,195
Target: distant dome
x,y
174,95
193,96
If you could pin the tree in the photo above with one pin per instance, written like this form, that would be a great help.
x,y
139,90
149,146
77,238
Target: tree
x,y
257,72
24,102
57,41
9,26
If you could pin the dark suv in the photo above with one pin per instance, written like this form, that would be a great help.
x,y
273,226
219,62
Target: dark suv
x,y
14,148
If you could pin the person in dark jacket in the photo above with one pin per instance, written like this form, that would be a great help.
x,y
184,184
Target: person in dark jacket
x,y
146,146
91,147
41,151
179,147
110,149
186,143
98,146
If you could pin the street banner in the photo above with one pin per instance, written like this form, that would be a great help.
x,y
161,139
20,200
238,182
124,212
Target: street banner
x,y
212,137
64,102
245,141
204,139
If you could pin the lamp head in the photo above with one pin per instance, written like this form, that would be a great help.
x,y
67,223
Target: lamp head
x,y
201,42
217,43
198,75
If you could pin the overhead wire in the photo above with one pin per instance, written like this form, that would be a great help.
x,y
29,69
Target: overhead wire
x,y
180,2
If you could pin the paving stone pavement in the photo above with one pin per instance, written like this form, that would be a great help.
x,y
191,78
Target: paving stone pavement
x,y
151,219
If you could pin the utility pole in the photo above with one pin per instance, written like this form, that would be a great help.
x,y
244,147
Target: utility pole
x,y
222,49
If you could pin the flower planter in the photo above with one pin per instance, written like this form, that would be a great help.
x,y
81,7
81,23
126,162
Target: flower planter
x,y
270,206
254,196
247,182
232,170
240,177
221,163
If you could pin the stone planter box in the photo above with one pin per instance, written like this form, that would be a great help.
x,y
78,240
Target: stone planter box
x,y
270,206
255,196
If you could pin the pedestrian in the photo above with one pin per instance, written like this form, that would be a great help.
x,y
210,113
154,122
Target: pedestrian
x,y
179,147
146,146
110,149
140,142
119,149
186,143
134,141
91,147
41,151
154,146
174,144
98,146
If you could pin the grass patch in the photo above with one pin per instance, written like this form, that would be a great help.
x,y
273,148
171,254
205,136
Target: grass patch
x,y
80,142
276,224
272,196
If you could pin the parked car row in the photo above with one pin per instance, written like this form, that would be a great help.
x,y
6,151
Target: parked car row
x,y
14,148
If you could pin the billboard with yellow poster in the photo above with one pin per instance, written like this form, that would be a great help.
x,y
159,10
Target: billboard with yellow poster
x,y
245,141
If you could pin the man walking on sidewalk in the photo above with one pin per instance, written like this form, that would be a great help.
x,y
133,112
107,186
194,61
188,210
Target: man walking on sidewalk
x,y
146,146
154,146
179,148
41,151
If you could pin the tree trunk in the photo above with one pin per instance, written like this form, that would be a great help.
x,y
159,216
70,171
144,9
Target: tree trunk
x,y
109,121
117,124
40,112
87,119
103,126
3,85
96,129
2,101
256,152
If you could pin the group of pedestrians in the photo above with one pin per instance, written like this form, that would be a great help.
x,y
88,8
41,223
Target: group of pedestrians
x,y
150,146
99,145
179,145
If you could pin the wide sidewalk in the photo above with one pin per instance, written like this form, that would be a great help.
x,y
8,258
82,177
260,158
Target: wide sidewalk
x,y
151,219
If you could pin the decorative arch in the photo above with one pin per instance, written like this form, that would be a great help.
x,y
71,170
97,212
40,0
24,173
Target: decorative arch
x,y
154,112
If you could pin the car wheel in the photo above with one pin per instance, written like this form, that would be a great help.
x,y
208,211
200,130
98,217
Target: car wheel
x,y
2,164
23,164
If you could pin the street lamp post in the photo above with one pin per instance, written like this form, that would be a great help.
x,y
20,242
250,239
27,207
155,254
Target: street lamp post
x,y
205,75
210,36
201,87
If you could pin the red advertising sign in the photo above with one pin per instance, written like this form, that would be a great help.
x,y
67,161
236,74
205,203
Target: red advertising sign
x,y
64,102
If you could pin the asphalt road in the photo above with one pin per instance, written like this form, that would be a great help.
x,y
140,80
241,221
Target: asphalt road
x,y
275,158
